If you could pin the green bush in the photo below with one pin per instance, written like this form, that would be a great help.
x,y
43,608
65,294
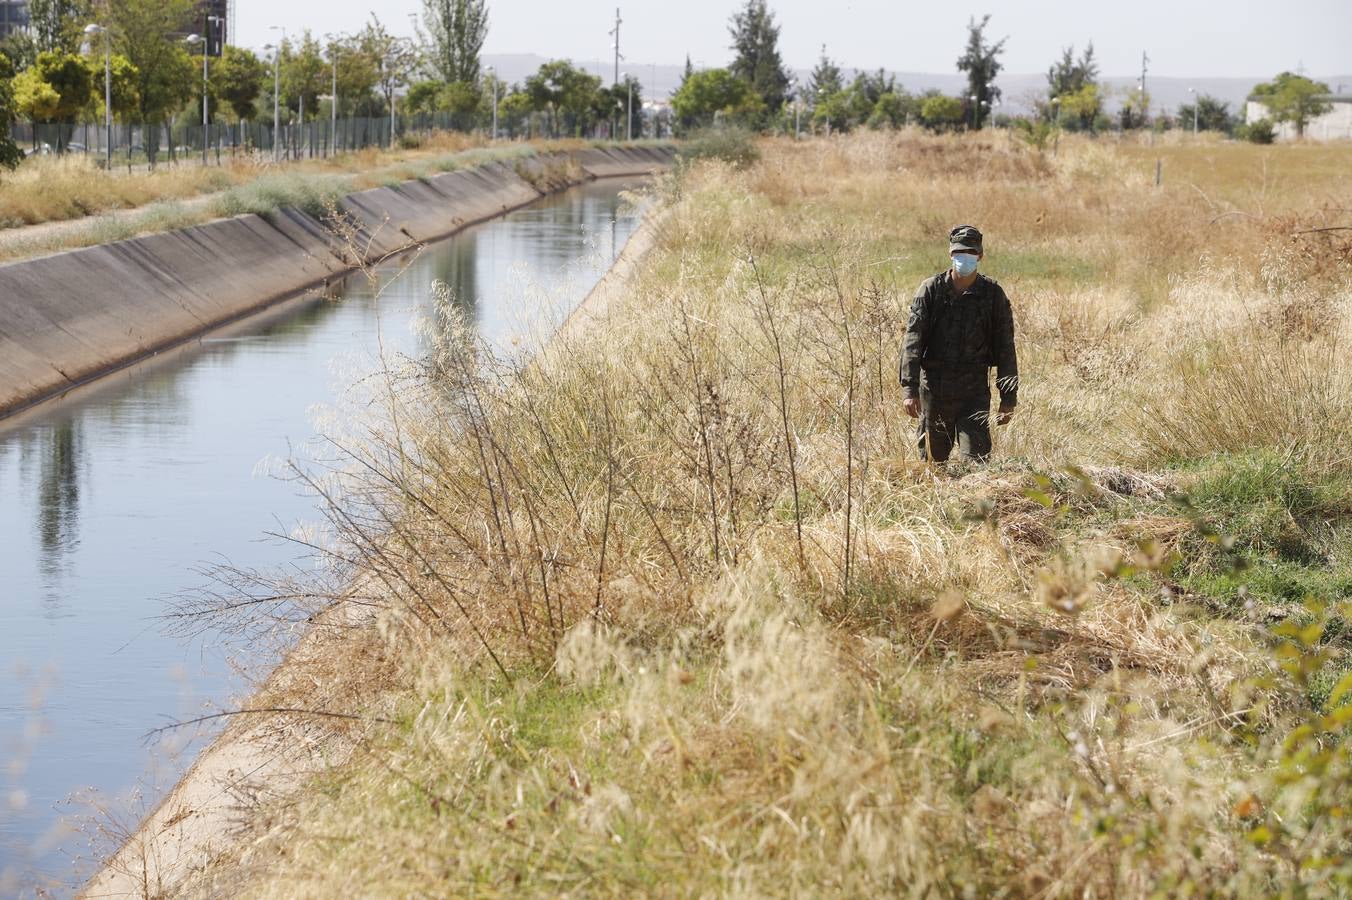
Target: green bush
x,y
730,144
1259,132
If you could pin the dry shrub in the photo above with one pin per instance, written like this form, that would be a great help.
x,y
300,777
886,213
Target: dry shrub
x,y
681,617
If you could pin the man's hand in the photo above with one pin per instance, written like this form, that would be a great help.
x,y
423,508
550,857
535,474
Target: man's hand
x,y
1006,413
912,407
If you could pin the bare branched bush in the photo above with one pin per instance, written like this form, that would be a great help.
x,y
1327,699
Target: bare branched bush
x,y
676,610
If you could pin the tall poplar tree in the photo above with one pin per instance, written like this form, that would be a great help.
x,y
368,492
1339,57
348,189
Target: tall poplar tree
x,y
456,31
981,62
56,24
755,41
826,79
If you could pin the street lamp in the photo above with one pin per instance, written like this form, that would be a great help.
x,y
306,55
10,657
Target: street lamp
x,y
493,76
629,110
90,30
193,40
333,104
1195,106
1056,142
276,88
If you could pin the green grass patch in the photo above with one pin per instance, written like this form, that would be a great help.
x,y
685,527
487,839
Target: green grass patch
x,y
1282,533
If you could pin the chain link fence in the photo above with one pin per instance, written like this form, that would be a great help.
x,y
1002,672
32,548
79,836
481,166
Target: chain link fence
x,y
135,145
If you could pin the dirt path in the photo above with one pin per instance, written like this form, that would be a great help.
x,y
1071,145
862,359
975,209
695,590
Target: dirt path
x,y
28,241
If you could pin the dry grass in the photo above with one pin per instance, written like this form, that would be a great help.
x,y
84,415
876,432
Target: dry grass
x,y
669,608
58,189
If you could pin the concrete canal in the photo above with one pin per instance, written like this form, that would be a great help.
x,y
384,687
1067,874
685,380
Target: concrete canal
x,y
114,501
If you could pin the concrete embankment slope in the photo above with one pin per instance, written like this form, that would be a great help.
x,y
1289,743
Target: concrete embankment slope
x,y
69,318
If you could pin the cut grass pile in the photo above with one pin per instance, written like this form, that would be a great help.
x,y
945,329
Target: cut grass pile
x,y
670,608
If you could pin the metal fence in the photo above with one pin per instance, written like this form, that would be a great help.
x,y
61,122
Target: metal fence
x,y
135,144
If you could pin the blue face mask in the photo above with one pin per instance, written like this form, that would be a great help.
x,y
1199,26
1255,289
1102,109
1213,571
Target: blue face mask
x,y
964,263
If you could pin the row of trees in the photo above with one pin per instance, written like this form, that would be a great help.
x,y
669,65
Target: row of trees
x,y
757,91
54,73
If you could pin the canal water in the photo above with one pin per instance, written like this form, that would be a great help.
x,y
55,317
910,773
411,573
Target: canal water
x,y
114,502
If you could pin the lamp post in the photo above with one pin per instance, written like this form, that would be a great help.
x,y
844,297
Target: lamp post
x,y
1195,106
333,104
276,87
629,109
1056,142
193,40
493,76
90,30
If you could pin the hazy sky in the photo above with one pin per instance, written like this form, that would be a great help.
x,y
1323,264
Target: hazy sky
x,y
1183,37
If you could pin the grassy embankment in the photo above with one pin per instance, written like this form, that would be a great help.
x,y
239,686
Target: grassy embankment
x,y
63,190
674,611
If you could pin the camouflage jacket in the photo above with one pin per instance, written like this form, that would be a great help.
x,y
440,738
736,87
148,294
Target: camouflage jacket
x,y
952,341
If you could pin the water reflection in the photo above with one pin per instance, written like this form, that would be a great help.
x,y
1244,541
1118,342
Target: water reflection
x,y
109,501
58,506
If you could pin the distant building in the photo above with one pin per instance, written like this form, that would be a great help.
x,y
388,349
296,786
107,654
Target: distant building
x,y
218,33
13,16
1337,123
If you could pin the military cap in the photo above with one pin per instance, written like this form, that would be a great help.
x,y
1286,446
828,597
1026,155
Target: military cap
x,y
964,237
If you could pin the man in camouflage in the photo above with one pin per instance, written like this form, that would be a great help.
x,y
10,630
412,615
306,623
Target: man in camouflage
x,y
961,325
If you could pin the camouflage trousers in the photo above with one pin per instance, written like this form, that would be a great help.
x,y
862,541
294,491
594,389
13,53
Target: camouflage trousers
x,y
964,419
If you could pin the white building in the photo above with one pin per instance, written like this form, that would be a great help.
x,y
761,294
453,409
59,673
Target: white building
x,y
1337,123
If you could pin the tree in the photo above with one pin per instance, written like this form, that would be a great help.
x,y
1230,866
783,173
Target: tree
x,y
1210,114
1135,111
1259,132
981,62
941,113
143,32
456,32
570,96
35,99
303,75
513,109
826,79
56,24
56,89
1075,83
891,110
713,92
421,97
122,82
10,154
396,60
620,102
358,76
1293,99
1080,110
20,48
237,81
755,41
1067,75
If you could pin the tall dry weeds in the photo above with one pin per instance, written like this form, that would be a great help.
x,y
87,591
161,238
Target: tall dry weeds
x,y
673,609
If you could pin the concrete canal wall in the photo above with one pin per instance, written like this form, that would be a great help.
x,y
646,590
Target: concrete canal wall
x,y
72,317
